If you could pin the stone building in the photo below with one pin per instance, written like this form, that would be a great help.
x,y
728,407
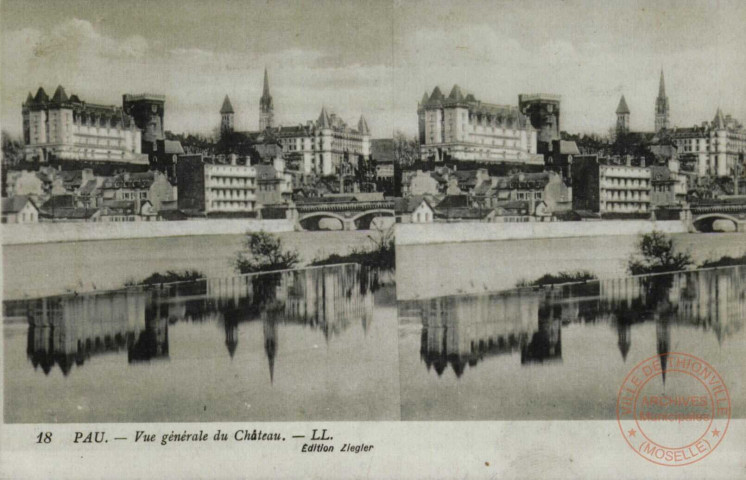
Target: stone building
x,y
152,186
67,128
273,184
322,146
19,209
713,149
459,127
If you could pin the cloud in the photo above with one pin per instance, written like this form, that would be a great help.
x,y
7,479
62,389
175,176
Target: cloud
x,y
100,68
589,76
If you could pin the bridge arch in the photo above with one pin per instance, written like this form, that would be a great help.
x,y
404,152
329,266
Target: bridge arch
x,y
310,221
363,220
704,223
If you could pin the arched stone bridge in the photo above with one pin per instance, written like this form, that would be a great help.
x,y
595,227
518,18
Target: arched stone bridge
x,y
352,215
702,217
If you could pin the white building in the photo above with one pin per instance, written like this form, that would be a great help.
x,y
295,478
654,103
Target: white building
x,y
209,188
321,146
715,148
66,128
463,128
624,189
19,209
604,189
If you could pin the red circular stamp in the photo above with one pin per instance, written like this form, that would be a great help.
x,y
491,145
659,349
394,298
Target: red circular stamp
x,y
673,409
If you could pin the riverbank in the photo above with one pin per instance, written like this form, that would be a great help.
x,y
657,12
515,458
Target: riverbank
x,y
438,269
40,269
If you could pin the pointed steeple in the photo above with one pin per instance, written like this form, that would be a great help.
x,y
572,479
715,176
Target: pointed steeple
x,y
422,102
661,107
265,90
436,96
456,94
266,106
41,96
29,98
227,107
323,121
362,126
59,95
719,120
622,108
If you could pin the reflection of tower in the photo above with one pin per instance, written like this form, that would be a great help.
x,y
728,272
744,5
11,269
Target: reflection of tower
x,y
226,117
544,112
622,117
266,106
269,327
546,342
661,107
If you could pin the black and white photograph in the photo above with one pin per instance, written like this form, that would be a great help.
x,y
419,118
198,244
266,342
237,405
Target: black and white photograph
x,y
386,217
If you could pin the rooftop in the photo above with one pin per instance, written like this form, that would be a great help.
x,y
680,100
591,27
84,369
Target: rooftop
x,y
15,204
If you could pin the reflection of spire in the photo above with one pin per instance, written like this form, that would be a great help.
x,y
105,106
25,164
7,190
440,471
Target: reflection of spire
x,y
624,332
231,318
270,344
663,341
231,337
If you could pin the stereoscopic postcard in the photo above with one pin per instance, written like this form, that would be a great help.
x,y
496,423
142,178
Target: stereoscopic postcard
x,y
373,239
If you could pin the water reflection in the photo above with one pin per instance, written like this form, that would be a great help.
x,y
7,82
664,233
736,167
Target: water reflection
x,y
466,330
69,330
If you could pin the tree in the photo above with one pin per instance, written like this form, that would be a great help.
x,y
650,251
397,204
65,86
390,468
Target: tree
x,y
12,149
264,252
406,149
656,254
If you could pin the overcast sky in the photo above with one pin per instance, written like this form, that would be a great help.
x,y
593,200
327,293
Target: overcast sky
x,y
378,57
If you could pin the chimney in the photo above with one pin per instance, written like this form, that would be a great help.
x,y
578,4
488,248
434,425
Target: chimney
x,y
628,160
642,162
233,158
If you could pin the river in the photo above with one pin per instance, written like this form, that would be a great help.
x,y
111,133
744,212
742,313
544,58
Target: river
x,y
52,268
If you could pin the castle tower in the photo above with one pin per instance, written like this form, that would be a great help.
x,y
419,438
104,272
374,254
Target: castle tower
x,y
622,117
543,110
266,107
226,117
661,107
148,112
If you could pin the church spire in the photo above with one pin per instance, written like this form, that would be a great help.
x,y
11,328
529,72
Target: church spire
x,y
266,106
265,91
661,107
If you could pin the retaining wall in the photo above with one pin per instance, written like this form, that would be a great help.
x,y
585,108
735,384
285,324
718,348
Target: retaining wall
x,y
427,233
16,234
